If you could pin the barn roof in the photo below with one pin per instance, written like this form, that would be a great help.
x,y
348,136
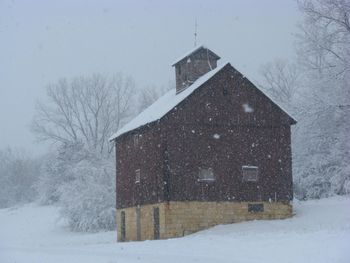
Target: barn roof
x,y
171,99
164,104
189,53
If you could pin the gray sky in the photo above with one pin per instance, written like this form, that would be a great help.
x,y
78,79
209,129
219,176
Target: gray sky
x,y
42,41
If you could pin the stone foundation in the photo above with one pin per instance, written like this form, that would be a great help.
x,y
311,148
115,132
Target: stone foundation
x,y
177,219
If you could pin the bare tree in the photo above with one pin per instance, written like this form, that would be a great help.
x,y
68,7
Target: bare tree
x,y
146,97
281,80
324,38
150,94
85,110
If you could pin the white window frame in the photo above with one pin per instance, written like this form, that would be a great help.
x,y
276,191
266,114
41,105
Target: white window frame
x,y
206,175
137,176
249,178
136,140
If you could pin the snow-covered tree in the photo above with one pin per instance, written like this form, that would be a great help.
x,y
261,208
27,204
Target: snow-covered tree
x,y
88,199
82,182
321,101
322,149
55,169
324,36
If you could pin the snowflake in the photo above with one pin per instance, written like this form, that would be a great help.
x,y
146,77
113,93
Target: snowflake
x,y
216,136
247,108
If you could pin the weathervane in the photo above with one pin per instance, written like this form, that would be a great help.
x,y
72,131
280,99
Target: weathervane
x,y
195,33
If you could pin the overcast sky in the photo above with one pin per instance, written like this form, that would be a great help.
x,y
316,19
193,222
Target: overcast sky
x,y
42,41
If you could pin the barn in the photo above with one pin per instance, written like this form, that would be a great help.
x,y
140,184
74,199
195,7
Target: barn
x,y
215,150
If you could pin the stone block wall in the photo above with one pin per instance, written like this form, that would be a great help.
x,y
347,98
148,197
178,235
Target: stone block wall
x,y
177,219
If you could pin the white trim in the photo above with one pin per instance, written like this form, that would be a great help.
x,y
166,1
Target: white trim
x,y
248,178
137,176
206,179
249,166
210,171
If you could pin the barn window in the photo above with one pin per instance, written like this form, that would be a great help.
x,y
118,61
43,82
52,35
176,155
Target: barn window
x,y
137,176
206,175
224,91
249,173
255,208
136,140
179,70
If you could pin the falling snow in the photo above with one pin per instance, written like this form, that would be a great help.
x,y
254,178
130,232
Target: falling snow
x,y
247,108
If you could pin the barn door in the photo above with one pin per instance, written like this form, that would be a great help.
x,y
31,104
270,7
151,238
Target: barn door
x,y
138,223
122,226
156,222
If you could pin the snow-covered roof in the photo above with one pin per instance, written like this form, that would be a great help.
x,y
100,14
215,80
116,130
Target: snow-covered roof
x,y
170,100
164,104
187,54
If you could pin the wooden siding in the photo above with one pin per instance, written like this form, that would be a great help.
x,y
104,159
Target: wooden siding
x,y
146,156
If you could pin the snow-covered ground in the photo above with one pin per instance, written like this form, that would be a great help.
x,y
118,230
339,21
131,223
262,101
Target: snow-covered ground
x,y
319,232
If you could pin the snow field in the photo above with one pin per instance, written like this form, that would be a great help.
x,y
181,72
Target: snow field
x,y
319,232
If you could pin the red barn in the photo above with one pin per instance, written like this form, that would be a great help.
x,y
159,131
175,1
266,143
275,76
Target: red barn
x,y
216,150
